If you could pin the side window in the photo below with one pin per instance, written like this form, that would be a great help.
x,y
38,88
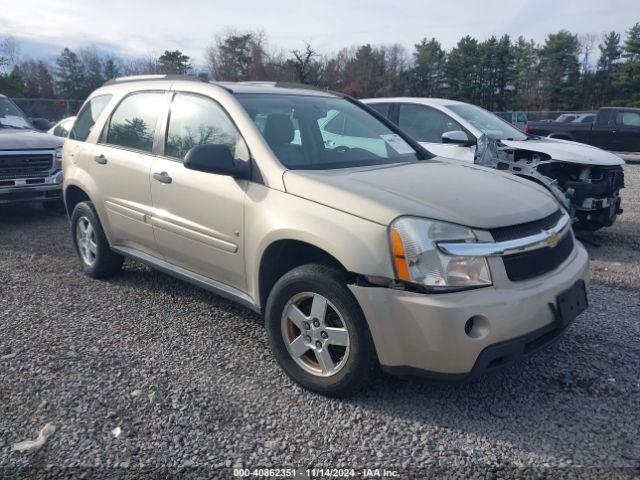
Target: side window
x,y
133,122
425,124
522,118
381,108
343,131
88,116
196,120
343,124
629,119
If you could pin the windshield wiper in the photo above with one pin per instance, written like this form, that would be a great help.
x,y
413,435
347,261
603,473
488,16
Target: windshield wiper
x,y
5,125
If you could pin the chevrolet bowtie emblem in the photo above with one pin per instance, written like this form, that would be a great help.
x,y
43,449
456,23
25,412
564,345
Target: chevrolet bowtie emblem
x,y
552,239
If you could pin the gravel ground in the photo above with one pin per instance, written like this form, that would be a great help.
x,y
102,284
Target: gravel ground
x,y
188,379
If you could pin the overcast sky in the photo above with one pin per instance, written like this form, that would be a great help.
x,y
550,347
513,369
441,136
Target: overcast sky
x,y
142,27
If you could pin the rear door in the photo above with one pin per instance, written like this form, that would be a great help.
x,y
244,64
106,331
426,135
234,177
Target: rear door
x,y
76,147
120,167
199,219
426,125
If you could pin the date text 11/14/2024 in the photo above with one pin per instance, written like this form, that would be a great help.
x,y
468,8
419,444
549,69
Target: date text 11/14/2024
x,y
315,473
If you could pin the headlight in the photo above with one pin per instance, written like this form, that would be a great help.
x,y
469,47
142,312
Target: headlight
x,y
57,159
418,260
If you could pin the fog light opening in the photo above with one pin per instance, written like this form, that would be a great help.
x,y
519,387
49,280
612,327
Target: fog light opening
x,y
477,327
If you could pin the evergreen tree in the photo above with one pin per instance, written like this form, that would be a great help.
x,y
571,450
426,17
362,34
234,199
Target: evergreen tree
x,y
426,78
610,53
111,70
632,44
461,71
560,70
70,75
174,62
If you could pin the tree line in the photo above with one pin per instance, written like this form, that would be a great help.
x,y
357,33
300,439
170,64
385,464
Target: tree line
x,y
566,72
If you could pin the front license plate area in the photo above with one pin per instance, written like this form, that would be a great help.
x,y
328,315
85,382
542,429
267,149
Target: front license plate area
x,y
572,302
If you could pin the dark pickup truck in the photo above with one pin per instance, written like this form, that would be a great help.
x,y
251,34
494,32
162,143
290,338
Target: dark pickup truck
x,y
30,160
616,129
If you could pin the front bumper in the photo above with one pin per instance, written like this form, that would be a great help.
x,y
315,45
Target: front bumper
x,y
415,332
47,188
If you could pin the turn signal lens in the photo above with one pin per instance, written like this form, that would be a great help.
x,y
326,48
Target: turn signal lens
x,y
399,259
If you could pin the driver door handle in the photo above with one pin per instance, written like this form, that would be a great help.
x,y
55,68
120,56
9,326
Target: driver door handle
x,y
162,177
101,159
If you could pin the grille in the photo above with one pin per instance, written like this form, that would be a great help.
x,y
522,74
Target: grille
x,y
25,165
522,266
525,229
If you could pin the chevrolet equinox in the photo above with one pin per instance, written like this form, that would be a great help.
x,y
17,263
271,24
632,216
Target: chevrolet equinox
x,y
360,248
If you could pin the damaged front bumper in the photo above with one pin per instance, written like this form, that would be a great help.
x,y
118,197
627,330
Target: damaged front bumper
x,y
591,193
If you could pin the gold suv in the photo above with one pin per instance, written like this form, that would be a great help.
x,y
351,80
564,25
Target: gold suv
x,y
358,246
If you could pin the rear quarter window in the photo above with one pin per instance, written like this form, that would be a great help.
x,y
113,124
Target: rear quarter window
x,y
87,117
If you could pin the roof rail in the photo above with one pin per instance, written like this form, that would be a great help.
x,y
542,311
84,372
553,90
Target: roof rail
x,y
280,84
140,78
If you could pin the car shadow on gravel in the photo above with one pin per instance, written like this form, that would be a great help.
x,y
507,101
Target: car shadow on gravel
x,y
16,215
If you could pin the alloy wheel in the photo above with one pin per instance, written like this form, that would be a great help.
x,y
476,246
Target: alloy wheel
x,y
315,334
86,240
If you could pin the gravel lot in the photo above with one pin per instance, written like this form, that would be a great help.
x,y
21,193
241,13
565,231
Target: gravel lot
x,y
189,380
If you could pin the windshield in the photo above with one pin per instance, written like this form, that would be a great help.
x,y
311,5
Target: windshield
x,y
314,132
491,125
11,115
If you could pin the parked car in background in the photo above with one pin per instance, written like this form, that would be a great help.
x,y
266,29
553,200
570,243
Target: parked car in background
x,y
356,255
517,119
585,179
616,129
30,160
63,127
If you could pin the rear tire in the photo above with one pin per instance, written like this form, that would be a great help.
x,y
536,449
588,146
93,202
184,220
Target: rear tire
x,y
318,333
96,257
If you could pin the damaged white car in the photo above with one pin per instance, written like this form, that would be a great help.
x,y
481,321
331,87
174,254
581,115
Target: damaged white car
x,y
586,179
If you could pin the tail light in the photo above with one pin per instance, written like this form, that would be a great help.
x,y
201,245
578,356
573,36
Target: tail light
x,y
526,128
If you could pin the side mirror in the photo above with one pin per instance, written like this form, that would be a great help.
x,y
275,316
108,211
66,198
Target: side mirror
x,y
41,124
457,137
215,159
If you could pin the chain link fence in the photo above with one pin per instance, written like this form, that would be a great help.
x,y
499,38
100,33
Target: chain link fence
x,y
53,109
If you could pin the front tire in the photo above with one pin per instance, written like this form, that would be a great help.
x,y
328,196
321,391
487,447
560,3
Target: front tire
x,y
96,257
318,333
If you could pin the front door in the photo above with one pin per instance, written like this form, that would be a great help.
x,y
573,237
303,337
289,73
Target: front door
x,y
199,217
426,125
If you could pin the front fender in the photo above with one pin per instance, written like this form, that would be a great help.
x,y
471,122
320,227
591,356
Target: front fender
x,y
360,245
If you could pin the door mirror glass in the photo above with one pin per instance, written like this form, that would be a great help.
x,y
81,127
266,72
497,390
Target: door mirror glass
x,y
218,159
458,137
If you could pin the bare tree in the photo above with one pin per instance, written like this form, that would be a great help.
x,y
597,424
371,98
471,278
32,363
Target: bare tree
x,y
304,64
238,56
587,46
8,53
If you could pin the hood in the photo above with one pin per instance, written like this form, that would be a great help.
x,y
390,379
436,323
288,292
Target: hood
x,y
13,139
449,191
567,151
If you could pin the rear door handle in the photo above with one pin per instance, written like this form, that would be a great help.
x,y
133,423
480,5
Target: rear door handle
x,y
101,159
162,177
